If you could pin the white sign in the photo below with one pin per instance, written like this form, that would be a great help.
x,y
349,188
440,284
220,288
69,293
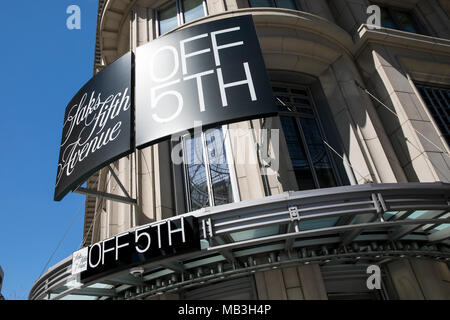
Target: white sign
x,y
79,261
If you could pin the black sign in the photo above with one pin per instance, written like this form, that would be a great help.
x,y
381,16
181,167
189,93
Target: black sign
x,y
144,244
97,126
212,73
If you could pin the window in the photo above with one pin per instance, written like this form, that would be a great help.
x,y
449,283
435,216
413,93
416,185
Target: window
x,y
175,13
309,155
399,19
286,4
192,10
437,100
167,18
206,172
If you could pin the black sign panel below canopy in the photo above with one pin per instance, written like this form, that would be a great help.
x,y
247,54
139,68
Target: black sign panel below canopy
x,y
145,244
97,126
208,74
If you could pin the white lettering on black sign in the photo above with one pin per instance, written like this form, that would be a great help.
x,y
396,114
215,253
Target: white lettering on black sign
x,y
143,244
97,126
211,73
100,126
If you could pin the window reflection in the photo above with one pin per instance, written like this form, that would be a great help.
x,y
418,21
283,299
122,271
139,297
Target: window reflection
x,y
386,19
255,233
207,179
286,4
310,159
188,10
196,172
220,174
400,20
260,3
437,100
406,22
297,153
319,156
318,223
167,17
193,9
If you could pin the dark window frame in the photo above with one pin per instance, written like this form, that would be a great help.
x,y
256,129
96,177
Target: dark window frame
x,y
410,12
180,14
437,112
274,5
310,114
207,167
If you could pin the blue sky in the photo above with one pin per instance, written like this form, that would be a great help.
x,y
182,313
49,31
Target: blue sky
x,y
43,65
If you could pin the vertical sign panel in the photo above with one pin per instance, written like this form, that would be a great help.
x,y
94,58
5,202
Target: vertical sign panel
x,y
212,73
97,126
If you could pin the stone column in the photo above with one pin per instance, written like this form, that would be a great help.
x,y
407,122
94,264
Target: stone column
x,y
145,174
215,6
293,283
153,169
248,172
420,279
416,141
370,152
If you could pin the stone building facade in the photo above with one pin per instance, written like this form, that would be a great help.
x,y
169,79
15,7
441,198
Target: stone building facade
x,y
371,103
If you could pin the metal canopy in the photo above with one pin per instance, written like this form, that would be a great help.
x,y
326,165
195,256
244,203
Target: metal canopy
x,y
382,222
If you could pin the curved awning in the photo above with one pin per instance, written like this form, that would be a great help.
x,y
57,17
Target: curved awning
x,y
361,223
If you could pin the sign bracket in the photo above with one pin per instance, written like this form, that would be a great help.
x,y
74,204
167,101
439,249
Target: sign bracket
x,y
105,195
118,181
109,196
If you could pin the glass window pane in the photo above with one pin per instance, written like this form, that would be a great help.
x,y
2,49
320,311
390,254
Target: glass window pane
x,y
406,22
167,17
356,218
305,110
301,101
283,104
419,213
255,233
297,153
196,174
318,223
438,102
287,4
319,156
436,227
416,214
260,3
441,227
220,174
79,297
299,91
386,19
193,9
279,89
389,215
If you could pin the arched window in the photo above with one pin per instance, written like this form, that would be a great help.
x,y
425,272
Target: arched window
x,y
286,4
311,159
437,100
207,175
175,13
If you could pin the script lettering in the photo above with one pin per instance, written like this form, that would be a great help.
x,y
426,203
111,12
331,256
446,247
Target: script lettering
x,y
99,126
